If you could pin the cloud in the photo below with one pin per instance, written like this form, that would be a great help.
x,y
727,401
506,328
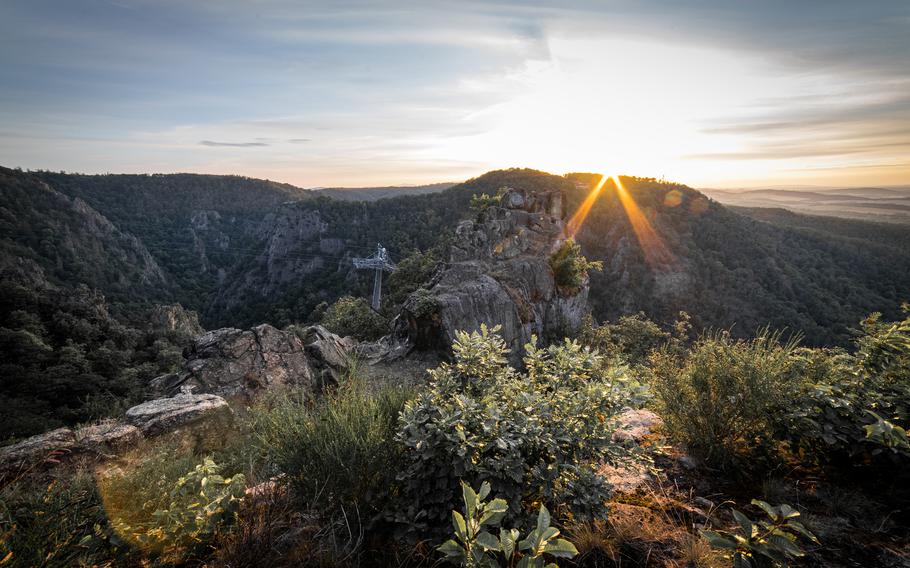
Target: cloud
x,y
299,140
232,144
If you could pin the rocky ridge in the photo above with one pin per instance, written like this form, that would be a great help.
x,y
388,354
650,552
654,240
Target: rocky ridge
x,y
499,274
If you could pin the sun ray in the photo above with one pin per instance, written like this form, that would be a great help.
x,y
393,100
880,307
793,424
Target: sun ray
x,y
652,246
581,214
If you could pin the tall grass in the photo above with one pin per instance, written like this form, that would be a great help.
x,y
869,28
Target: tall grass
x,y
338,455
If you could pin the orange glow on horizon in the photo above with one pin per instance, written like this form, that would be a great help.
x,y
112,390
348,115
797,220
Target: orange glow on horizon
x,y
653,247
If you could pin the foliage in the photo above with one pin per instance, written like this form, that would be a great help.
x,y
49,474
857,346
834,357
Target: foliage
x,y
66,359
199,505
338,454
353,317
856,404
633,337
570,267
410,274
762,544
475,546
57,522
480,420
720,399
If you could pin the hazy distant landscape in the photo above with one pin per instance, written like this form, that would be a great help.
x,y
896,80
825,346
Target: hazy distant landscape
x,y
885,204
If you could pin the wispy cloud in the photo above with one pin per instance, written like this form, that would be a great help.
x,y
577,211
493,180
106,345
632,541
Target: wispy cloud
x,y
232,144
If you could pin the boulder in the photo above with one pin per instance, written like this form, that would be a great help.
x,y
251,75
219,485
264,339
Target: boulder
x,y
166,414
107,436
47,447
329,355
231,362
499,274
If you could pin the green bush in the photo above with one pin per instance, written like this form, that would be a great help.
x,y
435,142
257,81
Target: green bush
x,y
193,512
570,267
338,454
722,398
353,317
855,404
480,420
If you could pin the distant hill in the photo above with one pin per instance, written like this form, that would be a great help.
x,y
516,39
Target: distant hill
x,y
374,193
888,204
242,251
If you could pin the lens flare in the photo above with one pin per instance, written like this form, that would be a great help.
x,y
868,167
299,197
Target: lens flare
x,y
578,219
652,246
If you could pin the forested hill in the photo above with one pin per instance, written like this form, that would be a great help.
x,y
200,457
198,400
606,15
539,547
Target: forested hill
x,y
241,251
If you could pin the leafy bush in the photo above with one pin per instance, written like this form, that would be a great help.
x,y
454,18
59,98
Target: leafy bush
x,y
474,545
762,544
198,506
570,267
856,404
482,421
339,454
721,399
353,317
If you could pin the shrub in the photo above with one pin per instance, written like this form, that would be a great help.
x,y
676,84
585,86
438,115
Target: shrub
x,y
196,509
482,421
353,317
338,455
570,267
856,404
722,398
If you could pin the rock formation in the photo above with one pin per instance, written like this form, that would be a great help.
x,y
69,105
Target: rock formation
x,y
499,274
231,362
174,318
165,414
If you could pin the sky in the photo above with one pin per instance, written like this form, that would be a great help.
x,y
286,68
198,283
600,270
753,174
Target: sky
x,y
710,93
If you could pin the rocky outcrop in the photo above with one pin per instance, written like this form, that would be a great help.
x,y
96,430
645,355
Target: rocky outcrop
x,y
174,318
231,362
165,414
37,450
53,447
329,355
108,436
499,274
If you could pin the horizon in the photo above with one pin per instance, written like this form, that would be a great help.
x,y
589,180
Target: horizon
x,y
322,95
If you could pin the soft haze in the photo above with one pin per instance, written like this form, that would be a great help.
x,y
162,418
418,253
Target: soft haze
x,y
713,92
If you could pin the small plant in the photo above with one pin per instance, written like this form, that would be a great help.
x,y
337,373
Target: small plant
x,y
570,267
474,546
200,503
762,544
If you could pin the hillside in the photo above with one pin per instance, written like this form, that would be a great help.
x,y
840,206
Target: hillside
x,y
242,251
812,275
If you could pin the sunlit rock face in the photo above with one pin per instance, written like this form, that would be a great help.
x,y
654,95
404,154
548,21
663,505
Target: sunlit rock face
x,y
499,274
